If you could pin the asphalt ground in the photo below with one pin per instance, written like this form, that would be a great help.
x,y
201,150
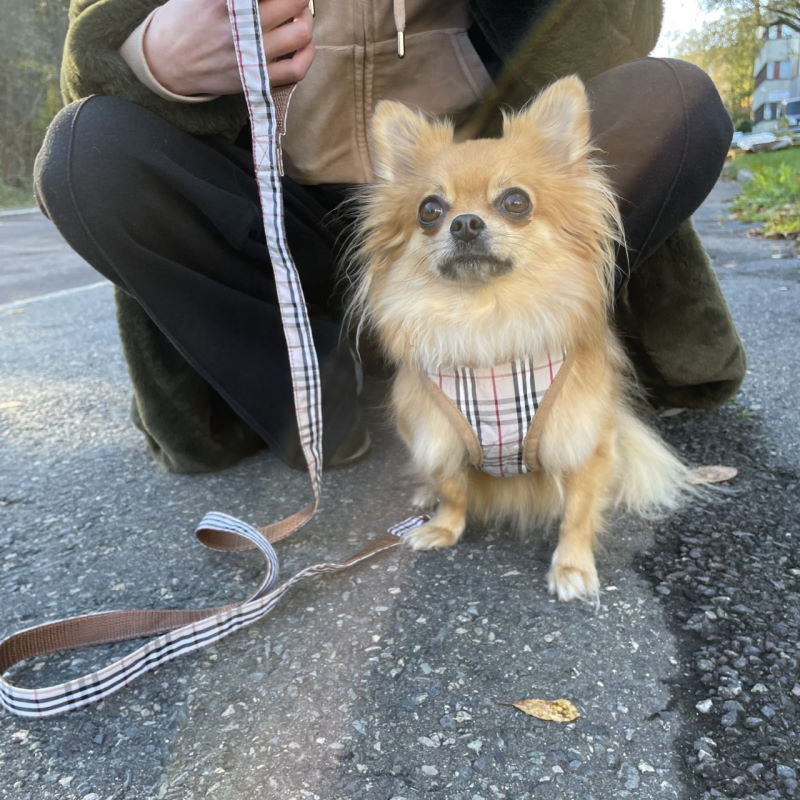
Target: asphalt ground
x,y
386,682
34,260
729,575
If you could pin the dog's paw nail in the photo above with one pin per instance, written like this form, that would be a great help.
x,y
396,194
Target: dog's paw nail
x,y
431,537
574,583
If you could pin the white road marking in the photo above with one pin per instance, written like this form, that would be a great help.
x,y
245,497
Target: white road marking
x,y
53,295
18,212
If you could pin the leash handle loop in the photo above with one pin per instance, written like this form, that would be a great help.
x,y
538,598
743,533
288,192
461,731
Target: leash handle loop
x,y
182,630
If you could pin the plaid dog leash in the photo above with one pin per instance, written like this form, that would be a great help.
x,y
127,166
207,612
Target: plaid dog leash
x,y
183,631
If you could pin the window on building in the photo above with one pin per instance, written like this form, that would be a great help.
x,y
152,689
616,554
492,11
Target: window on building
x,y
779,70
766,112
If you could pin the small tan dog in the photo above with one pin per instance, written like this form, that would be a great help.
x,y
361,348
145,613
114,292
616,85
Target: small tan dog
x,y
487,271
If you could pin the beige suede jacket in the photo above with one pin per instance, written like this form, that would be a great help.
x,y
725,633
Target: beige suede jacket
x,y
360,59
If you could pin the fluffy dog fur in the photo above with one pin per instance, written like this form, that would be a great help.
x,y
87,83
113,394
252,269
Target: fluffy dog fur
x,y
536,281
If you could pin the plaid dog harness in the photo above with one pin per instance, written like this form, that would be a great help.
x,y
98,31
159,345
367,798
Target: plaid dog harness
x,y
499,411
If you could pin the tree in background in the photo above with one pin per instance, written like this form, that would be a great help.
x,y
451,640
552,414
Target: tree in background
x,y
784,12
31,41
787,13
769,12
726,49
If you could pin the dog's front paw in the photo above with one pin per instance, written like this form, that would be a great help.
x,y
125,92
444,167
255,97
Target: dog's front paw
x,y
431,537
574,579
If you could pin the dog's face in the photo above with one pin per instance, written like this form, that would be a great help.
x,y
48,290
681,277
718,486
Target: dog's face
x,y
490,233
469,226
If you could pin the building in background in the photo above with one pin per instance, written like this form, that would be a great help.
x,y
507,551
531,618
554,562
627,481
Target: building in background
x,y
777,77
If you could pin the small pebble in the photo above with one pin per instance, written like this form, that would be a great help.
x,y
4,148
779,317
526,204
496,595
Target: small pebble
x,y
631,778
728,719
704,706
732,705
426,741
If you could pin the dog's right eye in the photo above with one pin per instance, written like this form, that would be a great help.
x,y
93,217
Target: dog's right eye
x,y
431,209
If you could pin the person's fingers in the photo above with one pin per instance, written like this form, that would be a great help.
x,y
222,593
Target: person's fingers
x,y
274,13
288,38
291,70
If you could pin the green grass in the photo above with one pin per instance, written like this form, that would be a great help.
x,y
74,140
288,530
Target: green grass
x,y
790,155
773,194
16,197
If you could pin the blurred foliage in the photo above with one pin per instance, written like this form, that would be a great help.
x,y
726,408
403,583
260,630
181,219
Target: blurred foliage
x,y
727,46
726,49
15,197
772,195
748,161
784,11
31,41
769,12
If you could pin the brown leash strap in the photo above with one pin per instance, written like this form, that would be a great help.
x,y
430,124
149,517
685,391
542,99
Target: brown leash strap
x,y
182,631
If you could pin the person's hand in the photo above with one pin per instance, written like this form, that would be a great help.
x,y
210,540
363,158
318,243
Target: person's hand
x,y
189,45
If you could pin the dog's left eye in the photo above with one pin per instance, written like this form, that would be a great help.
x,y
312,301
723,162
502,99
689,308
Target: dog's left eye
x,y
515,202
430,210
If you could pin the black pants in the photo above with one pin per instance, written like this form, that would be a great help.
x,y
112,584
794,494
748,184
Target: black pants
x,y
175,221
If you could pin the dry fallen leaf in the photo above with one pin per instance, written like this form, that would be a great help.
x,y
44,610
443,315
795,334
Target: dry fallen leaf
x,y
711,474
550,710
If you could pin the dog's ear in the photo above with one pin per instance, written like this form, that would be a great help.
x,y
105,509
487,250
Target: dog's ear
x,y
399,136
558,118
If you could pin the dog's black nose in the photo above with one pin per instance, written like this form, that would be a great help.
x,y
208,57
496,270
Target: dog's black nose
x,y
466,227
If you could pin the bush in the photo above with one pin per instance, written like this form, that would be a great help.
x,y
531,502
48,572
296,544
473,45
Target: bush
x,y
31,40
772,195
15,196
